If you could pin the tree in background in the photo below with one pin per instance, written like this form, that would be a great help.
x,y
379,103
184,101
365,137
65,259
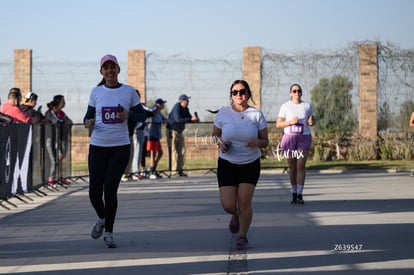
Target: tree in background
x,y
332,104
385,117
403,119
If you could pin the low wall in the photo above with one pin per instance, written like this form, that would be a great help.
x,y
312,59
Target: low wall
x,y
199,145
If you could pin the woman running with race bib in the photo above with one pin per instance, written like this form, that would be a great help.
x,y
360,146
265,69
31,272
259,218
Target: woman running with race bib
x,y
295,117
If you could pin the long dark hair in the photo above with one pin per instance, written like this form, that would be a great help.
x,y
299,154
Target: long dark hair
x,y
102,82
55,102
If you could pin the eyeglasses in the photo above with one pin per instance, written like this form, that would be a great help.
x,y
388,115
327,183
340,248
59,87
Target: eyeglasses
x,y
297,91
240,92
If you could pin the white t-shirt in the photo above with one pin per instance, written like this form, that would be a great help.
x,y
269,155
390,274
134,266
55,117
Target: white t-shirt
x,y
109,131
302,111
239,128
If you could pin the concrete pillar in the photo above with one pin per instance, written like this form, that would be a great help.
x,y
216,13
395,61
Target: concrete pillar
x,y
368,91
23,70
252,72
136,71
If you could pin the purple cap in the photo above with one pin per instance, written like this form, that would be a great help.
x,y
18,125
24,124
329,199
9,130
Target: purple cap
x,y
109,57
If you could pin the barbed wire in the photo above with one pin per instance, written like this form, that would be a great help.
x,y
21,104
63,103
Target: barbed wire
x,y
207,80
280,71
396,79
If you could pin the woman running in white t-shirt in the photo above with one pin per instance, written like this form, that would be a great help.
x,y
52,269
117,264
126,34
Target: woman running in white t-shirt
x,y
295,117
240,131
110,105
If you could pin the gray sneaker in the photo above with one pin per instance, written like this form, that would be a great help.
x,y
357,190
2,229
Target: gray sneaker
x,y
98,229
109,240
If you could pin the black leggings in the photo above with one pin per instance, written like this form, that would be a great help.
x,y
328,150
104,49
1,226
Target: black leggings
x,y
106,166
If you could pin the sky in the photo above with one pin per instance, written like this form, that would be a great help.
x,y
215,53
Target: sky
x,y
84,30
79,30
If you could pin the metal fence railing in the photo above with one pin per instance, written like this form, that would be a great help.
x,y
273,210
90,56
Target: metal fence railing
x,y
33,156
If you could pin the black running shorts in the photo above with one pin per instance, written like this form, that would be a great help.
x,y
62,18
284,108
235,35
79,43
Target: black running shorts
x,y
230,174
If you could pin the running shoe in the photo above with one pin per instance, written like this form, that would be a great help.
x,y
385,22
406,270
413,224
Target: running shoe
x,y
145,174
294,198
109,240
234,225
98,229
155,176
182,174
179,174
300,200
51,182
66,181
52,185
242,243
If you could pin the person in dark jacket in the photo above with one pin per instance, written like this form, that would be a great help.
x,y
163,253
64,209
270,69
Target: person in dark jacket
x,y
177,119
154,136
137,151
28,107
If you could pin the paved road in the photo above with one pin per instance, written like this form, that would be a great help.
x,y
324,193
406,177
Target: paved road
x,y
359,223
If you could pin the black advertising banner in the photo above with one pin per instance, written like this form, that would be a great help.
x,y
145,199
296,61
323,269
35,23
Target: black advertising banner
x,y
5,160
15,159
38,156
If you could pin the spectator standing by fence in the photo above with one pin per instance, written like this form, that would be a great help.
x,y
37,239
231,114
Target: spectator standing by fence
x,y
57,141
110,106
12,107
178,117
139,152
128,174
240,131
295,117
28,107
154,137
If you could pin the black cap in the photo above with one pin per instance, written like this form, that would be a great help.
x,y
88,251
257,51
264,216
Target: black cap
x,y
31,95
160,101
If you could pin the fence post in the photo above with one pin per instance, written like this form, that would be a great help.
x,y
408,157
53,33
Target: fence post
x,y
368,91
252,72
23,70
136,72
